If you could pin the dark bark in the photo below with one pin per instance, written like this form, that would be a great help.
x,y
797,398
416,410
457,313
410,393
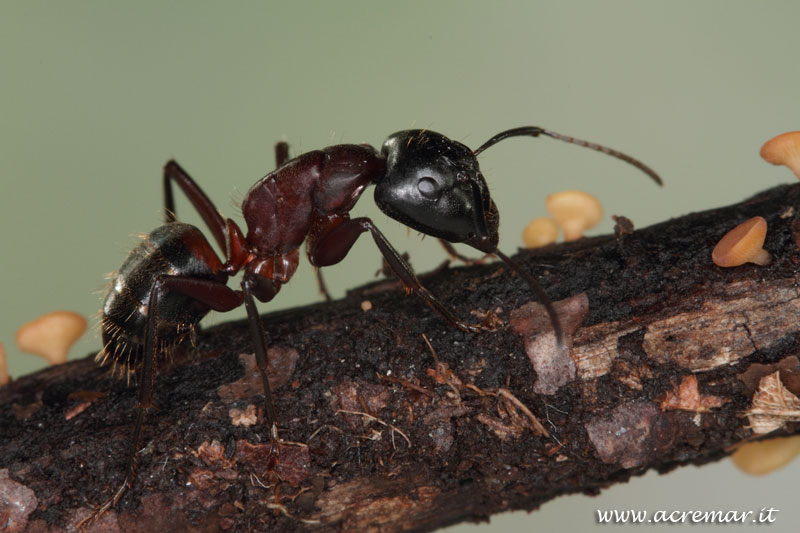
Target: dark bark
x,y
470,431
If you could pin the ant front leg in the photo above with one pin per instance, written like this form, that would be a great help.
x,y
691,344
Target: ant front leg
x,y
333,243
454,254
215,295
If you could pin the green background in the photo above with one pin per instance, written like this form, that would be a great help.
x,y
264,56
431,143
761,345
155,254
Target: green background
x,y
96,96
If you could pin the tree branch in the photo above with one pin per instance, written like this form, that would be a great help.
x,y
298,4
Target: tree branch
x,y
391,419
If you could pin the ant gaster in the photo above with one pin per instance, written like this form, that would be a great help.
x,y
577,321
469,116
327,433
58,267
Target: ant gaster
x,y
173,278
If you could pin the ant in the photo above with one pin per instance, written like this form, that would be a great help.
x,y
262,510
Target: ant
x,y
174,278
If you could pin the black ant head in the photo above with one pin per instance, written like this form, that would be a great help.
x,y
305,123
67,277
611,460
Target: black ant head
x,y
434,185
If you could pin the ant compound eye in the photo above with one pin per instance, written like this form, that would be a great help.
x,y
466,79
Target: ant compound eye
x,y
428,188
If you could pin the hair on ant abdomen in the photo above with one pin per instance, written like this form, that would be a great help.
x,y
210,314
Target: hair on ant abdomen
x,y
170,250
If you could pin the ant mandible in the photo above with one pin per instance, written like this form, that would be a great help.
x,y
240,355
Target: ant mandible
x,y
174,278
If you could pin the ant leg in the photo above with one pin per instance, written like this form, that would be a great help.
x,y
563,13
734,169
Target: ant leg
x,y
540,294
217,296
144,401
334,244
259,337
201,202
323,288
454,254
133,462
281,153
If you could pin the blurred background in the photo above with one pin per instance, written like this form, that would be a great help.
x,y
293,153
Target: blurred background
x,y
97,96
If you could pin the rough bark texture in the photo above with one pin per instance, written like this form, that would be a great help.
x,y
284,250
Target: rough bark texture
x,y
673,361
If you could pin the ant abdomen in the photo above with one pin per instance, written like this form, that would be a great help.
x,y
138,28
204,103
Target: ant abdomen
x,y
174,249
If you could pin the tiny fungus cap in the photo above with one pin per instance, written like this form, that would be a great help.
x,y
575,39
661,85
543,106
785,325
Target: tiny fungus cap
x,y
540,232
575,211
784,150
762,457
51,335
743,244
4,377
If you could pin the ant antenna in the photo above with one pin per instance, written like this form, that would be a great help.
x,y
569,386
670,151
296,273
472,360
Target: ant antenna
x,y
540,294
535,131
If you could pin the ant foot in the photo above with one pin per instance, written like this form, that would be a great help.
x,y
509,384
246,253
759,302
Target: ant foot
x,y
474,328
97,512
274,440
491,322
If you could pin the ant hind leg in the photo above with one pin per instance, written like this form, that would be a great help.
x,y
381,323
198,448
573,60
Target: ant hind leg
x,y
217,296
259,337
281,153
199,199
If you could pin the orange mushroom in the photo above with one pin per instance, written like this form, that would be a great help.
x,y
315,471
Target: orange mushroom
x,y
743,244
575,211
784,150
51,335
4,377
540,232
765,456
